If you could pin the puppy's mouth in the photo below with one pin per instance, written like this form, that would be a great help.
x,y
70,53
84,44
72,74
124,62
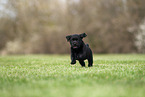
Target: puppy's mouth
x,y
75,47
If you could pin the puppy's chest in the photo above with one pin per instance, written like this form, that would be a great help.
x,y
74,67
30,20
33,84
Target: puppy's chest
x,y
80,56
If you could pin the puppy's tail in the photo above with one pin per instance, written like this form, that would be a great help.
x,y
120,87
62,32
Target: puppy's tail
x,y
87,45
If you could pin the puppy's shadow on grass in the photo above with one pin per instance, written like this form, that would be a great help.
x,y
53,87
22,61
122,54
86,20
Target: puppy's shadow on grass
x,y
77,65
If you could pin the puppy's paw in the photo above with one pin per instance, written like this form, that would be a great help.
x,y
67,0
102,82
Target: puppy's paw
x,y
73,62
90,65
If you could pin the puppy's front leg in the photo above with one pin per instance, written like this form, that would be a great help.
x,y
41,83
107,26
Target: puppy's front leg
x,y
73,57
82,63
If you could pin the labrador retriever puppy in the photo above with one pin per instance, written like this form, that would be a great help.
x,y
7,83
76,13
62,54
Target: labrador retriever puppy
x,y
79,50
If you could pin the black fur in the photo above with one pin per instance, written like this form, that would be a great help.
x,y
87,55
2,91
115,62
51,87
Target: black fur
x,y
79,50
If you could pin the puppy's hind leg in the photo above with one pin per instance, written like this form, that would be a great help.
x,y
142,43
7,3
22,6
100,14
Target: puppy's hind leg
x,y
82,63
90,62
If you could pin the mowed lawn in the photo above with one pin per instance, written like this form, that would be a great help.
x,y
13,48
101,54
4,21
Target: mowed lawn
x,y
113,75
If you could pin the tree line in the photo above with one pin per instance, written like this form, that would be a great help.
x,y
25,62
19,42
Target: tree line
x,y
34,26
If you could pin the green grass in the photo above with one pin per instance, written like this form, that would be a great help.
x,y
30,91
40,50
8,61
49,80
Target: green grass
x,y
117,75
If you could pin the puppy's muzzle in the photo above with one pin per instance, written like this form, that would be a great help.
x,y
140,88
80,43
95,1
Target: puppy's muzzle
x,y
75,45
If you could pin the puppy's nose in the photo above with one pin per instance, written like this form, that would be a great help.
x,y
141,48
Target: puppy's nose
x,y
75,43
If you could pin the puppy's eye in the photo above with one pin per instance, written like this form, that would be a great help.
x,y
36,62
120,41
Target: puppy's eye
x,y
74,39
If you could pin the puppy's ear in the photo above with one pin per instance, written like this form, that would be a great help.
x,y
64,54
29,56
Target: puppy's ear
x,y
68,37
83,35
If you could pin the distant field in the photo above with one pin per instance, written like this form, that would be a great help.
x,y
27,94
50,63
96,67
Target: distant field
x,y
117,75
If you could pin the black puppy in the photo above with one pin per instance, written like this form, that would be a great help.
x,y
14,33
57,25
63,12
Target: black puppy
x,y
79,50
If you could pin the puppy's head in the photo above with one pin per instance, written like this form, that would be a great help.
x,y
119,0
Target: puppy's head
x,y
76,40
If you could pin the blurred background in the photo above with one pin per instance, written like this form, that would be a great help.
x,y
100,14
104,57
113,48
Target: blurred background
x,y
40,26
